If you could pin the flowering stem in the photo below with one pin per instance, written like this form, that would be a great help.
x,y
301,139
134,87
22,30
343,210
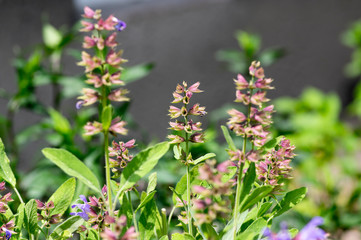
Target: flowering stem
x,y
107,172
190,230
18,194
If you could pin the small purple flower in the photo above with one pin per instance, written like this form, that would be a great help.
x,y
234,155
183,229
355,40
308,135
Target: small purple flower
x,y
84,207
7,233
120,26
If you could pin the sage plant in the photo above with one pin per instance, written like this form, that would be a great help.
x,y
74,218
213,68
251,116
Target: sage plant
x,y
103,71
188,132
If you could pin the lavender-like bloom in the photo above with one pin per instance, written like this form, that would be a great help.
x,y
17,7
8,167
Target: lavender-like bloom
x,y
83,207
120,26
310,232
7,228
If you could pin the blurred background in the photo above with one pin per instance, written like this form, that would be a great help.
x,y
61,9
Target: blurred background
x,y
301,44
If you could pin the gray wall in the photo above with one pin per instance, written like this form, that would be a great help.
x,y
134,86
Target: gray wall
x,y
181,37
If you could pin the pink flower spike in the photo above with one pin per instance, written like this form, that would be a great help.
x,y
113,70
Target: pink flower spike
x,y
115,79
118,95
88,42
109,23
259,73
241,82
177,126
90,96
198,189
130,144
197,138
223,167
94,79
117,126
177,97
113,58
110,40
194,88
175,139
88,12
88,26
92,128
174,112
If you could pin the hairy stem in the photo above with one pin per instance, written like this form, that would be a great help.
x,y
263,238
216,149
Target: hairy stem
x,y
133,215
107,172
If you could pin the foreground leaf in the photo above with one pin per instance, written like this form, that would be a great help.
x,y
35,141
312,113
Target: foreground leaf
x,y
72,166
141,165
182,236
31,217
63,197
5,172
67,227
290,200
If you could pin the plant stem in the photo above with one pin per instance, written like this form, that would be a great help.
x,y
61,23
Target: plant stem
x,y
133,215
190,229
107,172
18,194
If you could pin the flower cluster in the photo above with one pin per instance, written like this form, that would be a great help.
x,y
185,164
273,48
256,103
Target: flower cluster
x,y
210,202
45,213
120,156
103,70
183,95
120,223
6,229
93,211
310,232
253,95
275,167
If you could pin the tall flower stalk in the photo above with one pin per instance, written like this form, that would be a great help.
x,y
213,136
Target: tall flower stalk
x,y
252,127
103,71
188,131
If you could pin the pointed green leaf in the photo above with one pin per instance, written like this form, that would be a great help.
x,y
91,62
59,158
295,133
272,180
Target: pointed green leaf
x,y
165,237
5,171
253,230
145,200
60,123
290,200
182,236
255,196
67,227
63,197
176,151
228,138
20,217
181,187
149,220
152,183
248,181
72,166
134,73
142,164
51,36
264,208
203,158
31,217
107,114
229,227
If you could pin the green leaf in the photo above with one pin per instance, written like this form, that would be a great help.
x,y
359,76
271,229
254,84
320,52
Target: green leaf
x,y
20,217
67,227
31,217
228,138
165,237
228,229
72,166
152,183
107,114
60,123
203,158
271,55
181,187
141,165
256,195
176,151
264,208
51,36
289,201
134,73
272,143
149,220
253,230
182,236
248,181
63,197
145,200
5,172
126,209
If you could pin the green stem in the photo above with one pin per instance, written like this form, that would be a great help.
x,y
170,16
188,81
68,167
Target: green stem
x,y
18,194
190,229
107,172
133,215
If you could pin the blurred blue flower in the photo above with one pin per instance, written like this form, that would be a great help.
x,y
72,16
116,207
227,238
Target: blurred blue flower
x,y
83,207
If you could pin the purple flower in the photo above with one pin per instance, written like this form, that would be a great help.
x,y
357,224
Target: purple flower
x,y
120,26
7,233
83,207
309,232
